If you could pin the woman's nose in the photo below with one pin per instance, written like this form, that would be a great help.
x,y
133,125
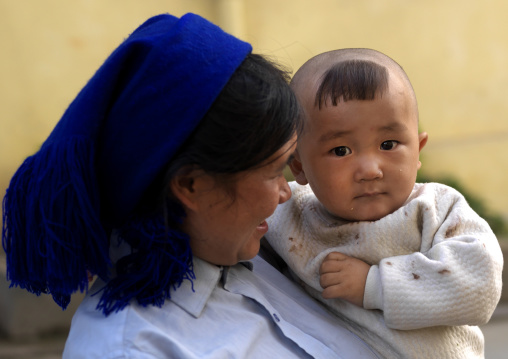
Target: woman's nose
x,y
285,191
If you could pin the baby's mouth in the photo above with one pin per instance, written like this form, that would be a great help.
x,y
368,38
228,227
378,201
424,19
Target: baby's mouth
x,y
369,194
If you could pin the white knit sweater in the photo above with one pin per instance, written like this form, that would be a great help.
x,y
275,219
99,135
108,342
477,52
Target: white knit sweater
x,y
435,274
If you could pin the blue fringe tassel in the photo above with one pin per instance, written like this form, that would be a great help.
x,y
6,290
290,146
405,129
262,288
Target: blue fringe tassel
x,y
51,195
160,260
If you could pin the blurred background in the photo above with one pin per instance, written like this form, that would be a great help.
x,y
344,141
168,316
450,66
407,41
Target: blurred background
x,y
455,52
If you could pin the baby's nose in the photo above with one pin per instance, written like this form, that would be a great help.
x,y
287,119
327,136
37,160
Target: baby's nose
x,y
368,170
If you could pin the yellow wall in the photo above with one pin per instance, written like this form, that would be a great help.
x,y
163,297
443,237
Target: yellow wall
x,y
48,50
454,51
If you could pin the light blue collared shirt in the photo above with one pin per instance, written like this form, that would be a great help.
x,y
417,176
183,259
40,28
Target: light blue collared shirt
x,y
230,312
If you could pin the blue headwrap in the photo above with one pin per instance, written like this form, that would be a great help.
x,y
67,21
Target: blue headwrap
x,y
111,144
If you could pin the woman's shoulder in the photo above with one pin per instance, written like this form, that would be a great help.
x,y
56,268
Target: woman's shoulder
x,y
143,331
135,331
89,329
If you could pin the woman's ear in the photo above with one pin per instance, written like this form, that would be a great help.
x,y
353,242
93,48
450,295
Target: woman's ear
x,y
297,170
183,187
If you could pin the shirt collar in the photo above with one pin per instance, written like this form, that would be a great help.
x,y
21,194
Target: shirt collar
x,y
193,296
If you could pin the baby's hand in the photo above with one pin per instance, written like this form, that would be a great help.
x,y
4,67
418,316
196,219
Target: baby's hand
x,y
344,277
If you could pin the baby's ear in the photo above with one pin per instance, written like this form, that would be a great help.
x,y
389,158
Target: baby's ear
x,y
297,170
422,138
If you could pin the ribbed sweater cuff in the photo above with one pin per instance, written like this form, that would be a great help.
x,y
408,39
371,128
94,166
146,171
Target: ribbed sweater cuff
x,y
373,296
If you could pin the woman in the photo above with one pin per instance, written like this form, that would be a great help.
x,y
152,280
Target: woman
x,y
158,179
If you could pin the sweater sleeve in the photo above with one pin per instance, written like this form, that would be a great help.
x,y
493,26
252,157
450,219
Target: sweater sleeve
x,y
454,280
373,295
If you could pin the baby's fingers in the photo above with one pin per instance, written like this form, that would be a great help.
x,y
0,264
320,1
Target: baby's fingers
x,y
334,291
329,279
333,262
330,267
336,256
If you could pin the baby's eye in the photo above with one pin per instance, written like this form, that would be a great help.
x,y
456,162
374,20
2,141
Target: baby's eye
x,y
389,145
341,151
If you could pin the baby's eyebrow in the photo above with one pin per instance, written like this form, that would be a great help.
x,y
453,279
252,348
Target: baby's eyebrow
x,y
393,127
333,135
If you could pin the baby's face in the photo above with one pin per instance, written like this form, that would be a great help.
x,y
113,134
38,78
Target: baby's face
x,y
361,157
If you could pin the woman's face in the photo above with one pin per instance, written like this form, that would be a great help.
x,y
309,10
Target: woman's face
x,y
227,229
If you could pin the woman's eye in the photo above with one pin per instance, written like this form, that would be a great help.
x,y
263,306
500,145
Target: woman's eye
x,y
389,145
341,151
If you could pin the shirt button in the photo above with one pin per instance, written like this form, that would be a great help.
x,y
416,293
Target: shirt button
x,y
276,317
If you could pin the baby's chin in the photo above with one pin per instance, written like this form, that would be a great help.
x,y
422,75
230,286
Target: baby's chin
x,y
365,216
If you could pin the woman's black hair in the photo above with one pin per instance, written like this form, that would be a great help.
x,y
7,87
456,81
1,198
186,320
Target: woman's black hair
x,y
352,80
253,117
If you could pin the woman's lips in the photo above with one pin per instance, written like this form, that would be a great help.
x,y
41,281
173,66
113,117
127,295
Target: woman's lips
x,y
263,227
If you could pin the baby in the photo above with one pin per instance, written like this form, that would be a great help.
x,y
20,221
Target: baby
x,y
409,267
